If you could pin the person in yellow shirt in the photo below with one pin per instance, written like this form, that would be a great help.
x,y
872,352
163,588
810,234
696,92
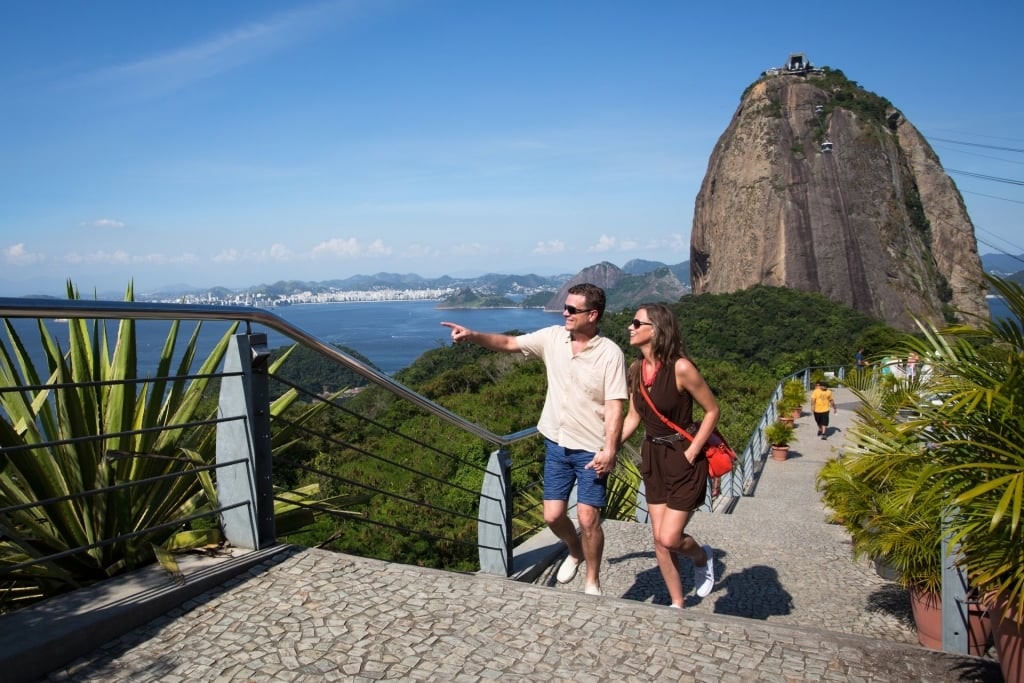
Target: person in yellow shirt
x,y
821,401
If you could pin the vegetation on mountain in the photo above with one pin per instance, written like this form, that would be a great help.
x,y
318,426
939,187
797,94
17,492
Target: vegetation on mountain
x,y
467,298
312,372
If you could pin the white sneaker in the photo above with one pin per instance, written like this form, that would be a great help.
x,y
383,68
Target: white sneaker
x,y
593,590
705,576
567,572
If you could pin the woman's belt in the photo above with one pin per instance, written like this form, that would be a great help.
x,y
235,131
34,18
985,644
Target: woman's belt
x,y
671,438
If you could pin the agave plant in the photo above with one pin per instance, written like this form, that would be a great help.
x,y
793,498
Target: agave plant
x,y
100,468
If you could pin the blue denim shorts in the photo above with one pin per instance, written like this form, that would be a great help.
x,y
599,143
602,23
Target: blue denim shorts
x,y
564,467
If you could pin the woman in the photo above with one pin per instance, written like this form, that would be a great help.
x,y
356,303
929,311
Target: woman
x,y
674,469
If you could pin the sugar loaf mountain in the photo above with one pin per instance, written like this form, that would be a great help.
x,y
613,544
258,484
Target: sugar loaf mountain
x,y
822,186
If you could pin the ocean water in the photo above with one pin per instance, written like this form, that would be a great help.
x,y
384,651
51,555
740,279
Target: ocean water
x,y
391,334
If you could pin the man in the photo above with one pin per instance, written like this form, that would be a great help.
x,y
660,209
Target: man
x,y
821,401
581,420
860,359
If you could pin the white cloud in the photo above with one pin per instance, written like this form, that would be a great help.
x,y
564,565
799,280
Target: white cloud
x,y
604,243
119,257
337,247
549,247
103,223
378,248
279,252
674,242
228,256
18,255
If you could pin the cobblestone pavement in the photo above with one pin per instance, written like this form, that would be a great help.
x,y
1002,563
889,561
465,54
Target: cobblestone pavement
x,y
777,558
790,605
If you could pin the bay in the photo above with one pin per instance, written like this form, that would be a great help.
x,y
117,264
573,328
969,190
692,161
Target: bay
x,y
391,334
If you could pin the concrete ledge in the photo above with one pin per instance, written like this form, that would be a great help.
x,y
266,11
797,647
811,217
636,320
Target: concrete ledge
x,y
43,637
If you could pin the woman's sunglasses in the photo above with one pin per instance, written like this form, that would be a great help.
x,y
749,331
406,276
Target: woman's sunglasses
x,y
637,323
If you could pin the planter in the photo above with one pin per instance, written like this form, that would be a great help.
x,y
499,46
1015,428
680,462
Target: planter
x,y
927,608
1008,634
787,420
798,412
780,452
979,629
886,571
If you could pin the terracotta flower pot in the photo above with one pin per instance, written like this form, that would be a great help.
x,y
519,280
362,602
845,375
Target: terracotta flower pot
x,y
927,608
798,412
786,420
1008,634
780,452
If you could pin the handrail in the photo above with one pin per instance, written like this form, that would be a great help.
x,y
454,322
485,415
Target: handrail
x,y
133,310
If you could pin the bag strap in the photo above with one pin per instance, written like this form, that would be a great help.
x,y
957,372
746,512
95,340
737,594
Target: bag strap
x,y
664,419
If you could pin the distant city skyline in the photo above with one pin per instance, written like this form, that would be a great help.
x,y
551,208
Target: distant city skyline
x,y
232,144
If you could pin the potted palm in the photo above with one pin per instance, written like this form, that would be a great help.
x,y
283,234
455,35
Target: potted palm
x,y
964,433
794,391
787,409
977,432
875,490
778,435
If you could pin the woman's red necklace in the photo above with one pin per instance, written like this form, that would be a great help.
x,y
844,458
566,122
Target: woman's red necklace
x,y
649,375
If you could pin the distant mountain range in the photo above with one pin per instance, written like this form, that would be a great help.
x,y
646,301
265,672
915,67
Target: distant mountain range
x,y
635,280
489,285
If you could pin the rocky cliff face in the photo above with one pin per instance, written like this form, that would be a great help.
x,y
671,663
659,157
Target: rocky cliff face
x,y
874,223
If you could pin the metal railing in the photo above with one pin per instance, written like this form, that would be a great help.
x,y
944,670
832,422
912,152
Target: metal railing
x,y
259,453
258,457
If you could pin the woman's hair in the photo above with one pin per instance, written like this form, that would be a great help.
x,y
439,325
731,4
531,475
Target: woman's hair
x,y
667,342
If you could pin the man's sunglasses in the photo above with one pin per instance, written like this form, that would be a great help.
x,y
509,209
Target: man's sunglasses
x,y
637,323
572,310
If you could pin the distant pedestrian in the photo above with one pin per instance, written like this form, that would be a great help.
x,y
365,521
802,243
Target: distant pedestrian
x,y
912,361
581,420
860,359
821,401
663,382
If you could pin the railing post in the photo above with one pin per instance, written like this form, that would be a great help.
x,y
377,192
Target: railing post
x,y
246,394
494,525
643,515
954,594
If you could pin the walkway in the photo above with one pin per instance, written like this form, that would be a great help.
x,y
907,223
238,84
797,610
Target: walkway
x,y
791,605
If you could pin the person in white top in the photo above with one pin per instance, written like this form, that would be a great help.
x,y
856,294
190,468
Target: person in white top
x,y
581,420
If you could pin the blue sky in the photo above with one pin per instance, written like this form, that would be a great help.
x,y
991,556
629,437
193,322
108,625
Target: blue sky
x,y
237,143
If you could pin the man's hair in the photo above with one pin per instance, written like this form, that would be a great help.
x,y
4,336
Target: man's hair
x,y
593,295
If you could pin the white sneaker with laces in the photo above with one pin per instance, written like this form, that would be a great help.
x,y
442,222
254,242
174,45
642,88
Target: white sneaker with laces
x,y
567,572
705,576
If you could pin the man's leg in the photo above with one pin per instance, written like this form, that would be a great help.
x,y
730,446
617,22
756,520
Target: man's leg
x,y
555,514
593,542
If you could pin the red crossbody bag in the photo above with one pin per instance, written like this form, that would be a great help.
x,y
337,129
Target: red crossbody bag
x,y
720,455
